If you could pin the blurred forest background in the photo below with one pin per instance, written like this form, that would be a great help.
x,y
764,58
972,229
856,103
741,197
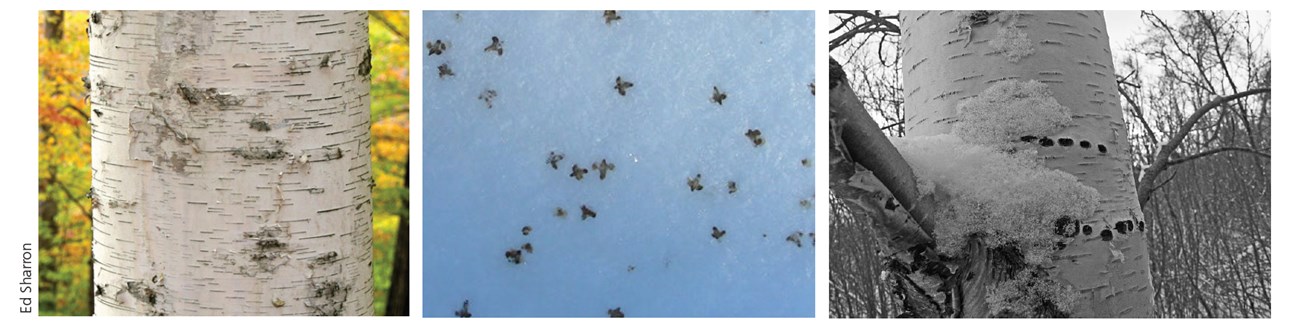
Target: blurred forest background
x,y
64,154
1209,210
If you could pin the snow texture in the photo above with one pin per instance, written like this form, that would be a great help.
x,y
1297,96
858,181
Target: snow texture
x,y
1013,43
1008,198
1008,110
650,250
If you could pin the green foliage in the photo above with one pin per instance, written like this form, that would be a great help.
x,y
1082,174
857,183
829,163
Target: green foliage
x,y
389,75
389,135
64,166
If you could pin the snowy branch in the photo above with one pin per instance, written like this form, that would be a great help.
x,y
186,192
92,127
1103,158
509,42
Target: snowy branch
x,y
868,146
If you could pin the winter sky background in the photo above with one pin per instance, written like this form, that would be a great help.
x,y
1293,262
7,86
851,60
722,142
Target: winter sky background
x,y
649,251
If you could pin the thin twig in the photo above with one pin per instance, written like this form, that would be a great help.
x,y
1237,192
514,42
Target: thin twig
x,y
1214,151
391,27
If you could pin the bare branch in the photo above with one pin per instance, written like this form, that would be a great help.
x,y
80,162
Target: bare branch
x,y
1166,182
873,22
1217,150
891,125
74,109
1197,60
389,25
1146,184
1137,112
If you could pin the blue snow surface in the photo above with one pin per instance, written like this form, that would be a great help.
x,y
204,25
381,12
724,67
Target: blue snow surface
x,y
650,250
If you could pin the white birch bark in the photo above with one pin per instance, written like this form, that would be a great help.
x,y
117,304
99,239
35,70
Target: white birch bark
x,y
950,55
231,163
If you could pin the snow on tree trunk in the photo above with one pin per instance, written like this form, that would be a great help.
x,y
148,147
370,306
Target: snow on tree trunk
x,y
951,58
231,163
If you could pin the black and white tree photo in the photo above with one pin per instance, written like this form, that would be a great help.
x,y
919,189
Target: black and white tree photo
x,y
1025,164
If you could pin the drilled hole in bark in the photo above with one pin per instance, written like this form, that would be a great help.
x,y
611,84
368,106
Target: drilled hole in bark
x,y
1087,230
1028,138
1106,235
1142,226
1119,226
890,204
1046,142
1067,226
1060,245
1085,144
1065,142
1102,148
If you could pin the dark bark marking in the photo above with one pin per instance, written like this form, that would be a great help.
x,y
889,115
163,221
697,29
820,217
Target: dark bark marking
x,y
327,298
363,68
196,96
326,258
259,125
1067,226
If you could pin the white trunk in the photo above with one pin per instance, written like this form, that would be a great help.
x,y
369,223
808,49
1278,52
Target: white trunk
x,y
231,163
944,62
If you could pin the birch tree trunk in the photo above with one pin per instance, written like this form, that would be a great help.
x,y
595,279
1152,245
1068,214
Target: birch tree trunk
x,y
954,55
231,163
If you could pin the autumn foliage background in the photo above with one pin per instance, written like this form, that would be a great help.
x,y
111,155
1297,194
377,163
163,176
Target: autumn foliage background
x,y
66,287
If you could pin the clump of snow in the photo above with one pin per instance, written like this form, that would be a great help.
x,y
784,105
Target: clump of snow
x,y
1013,43
1008,110
1004,198
1026,295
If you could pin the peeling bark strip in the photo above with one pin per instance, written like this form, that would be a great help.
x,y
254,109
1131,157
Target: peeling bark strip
x,y
227,137
1112,284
